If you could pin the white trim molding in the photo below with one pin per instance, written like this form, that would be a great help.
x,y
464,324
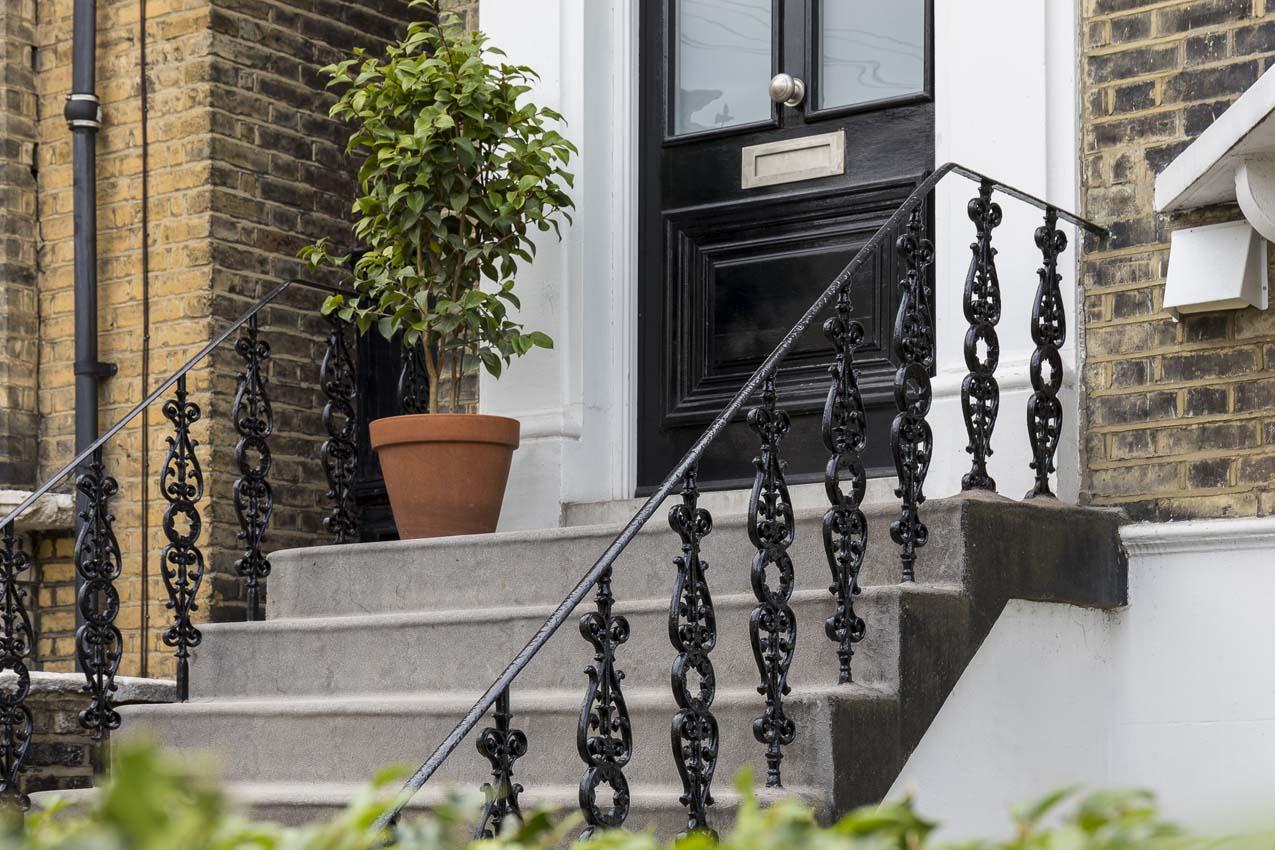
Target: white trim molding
x,y
1195,536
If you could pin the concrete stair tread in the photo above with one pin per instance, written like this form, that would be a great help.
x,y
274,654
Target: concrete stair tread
x,y
380,652
507,613
540,567
293,803
455,704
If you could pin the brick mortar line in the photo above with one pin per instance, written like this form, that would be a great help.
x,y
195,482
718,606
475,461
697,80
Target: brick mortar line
x,y
1126,13
1178,386
1236,490
1121,253
1188,457
1180,422
1181,348
1166,39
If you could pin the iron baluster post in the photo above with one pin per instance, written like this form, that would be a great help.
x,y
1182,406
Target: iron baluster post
x,y
254,499
98,642
604,736
692,628
181,484
18,641
911,440
1049,332
502,745
845,528
980,393
339,451
413,380
773,626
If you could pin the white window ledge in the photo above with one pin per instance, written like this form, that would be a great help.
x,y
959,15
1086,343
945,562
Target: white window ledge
x,y
1232,162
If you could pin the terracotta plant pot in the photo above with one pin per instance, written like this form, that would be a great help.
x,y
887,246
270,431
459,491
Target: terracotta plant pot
x,y
445,472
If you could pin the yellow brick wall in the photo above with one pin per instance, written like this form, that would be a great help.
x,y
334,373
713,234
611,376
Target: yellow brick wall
x,y
18,309
244,167
1180,417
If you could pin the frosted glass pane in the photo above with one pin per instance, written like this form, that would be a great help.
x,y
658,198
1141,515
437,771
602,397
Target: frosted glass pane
x,y
870,50
722,64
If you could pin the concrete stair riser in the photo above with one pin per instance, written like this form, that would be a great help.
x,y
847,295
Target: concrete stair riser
x,y
442,651
350,740
540,568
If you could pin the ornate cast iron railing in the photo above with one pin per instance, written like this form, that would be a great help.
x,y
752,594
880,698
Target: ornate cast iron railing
x,y
605,741
604,735
98,560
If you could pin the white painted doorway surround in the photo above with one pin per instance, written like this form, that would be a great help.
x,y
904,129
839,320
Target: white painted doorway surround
x,y
1006,104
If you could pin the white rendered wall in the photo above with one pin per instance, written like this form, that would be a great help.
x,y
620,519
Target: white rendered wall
x,y
1009,111
1175,693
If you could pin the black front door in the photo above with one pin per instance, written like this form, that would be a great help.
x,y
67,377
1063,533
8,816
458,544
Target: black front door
x,y
749,208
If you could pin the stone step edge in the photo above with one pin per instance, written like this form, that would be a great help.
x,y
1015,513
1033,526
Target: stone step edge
x,y
657,524
535,701
540,612
340,794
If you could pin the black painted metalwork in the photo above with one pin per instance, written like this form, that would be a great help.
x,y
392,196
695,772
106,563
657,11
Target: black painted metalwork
x,y
980,393
254,498
413,381
692,628
1049,332
502,745
676,476
845,528
16,644
181,483
98,642
773,626
911,440
339,451
604,737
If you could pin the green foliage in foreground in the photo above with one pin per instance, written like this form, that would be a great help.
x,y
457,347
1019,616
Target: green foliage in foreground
x,y
155,802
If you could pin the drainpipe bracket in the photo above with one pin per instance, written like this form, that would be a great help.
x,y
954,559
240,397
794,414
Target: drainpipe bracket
x,y
97,370
83,111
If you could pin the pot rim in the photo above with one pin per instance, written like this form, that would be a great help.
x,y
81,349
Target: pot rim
x,y
444,428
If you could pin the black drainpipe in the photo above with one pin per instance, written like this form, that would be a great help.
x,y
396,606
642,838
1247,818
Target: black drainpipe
x,y
84,117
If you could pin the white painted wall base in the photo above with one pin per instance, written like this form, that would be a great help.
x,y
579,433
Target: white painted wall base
x,y
1175,693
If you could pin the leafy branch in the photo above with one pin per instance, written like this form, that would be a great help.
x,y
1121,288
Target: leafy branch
x,y
459,171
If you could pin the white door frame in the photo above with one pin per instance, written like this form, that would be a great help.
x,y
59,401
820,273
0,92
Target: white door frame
x,y
1006,104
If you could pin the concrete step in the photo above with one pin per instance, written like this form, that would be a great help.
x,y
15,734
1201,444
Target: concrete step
x,y
347,740
451,650
541,567
304,803
724,503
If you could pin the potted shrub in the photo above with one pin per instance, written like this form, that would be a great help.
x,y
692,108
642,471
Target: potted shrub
x,y
458,172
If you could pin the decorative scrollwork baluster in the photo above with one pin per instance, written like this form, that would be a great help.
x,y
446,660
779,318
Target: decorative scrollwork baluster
x,y
1049,332
254,499
15,649
501,745
845,528
692,628
413,381
773,626
911,440
339,451
98,642
604,737
980,393
182,563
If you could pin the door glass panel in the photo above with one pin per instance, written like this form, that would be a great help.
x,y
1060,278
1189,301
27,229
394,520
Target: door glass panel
x,y
870,50
722,64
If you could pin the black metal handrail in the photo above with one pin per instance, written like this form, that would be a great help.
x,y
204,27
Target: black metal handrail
x,y
98,561
684,471
80,460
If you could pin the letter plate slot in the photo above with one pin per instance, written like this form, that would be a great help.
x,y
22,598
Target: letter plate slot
x,y
791,160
